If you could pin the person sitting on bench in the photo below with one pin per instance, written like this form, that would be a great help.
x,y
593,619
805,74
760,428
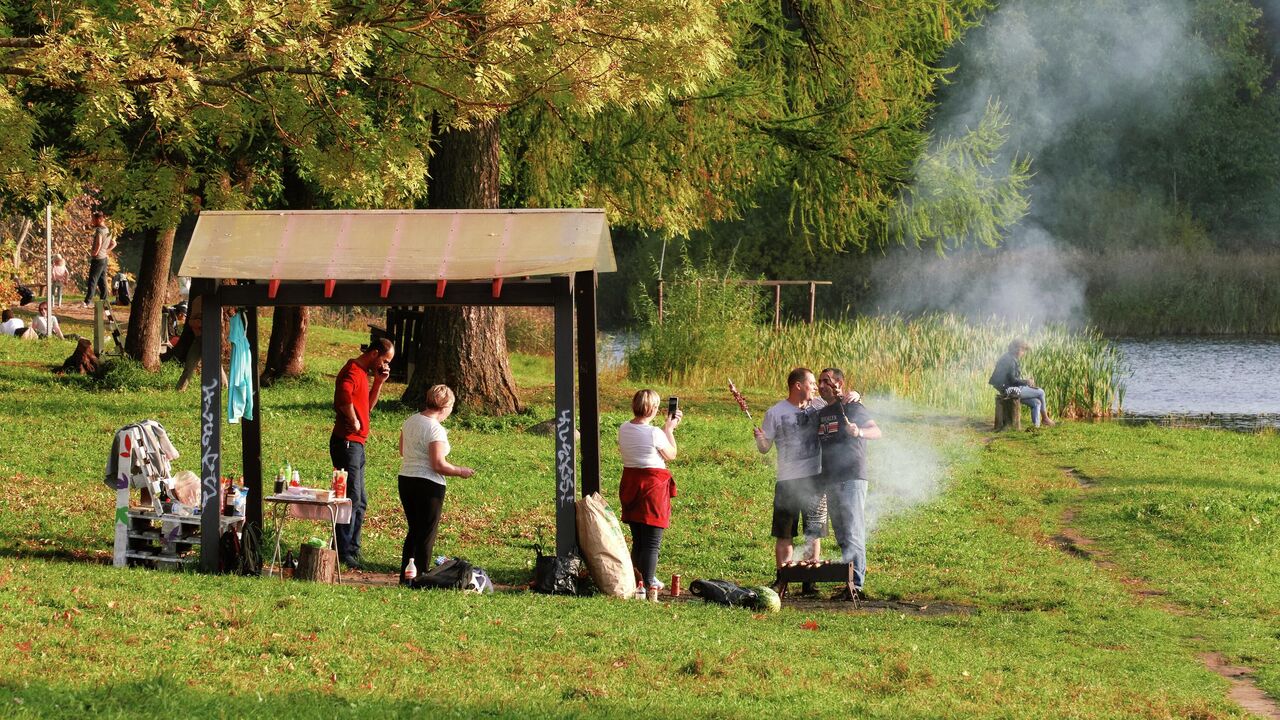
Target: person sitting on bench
x,y
1008,380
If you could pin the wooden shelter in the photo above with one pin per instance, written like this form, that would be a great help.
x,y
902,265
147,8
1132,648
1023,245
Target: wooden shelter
x,y
402,257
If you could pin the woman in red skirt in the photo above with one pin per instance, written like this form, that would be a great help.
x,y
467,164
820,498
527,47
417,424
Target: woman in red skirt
x,y
647,486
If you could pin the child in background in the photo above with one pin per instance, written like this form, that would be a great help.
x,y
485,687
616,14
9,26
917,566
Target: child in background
x,y
59,275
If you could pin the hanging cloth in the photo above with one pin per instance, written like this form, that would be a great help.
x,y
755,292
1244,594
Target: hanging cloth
x,y
240,380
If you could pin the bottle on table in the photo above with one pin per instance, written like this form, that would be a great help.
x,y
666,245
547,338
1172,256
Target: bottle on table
x,y
295,480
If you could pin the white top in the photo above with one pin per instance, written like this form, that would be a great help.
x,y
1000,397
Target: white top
x,y
795,434
638,445
41,330
419,432
12,325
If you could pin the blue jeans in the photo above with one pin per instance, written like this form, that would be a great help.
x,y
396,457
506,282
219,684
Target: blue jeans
x,y
846,499
1034,399
349,455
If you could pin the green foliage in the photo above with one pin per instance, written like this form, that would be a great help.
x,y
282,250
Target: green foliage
x,y
960,196
706,316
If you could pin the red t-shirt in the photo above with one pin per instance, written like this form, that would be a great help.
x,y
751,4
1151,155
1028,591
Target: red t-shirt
x,y
352,388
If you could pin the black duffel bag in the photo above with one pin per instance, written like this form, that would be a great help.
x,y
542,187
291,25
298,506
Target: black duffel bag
x,y
723,592
452,574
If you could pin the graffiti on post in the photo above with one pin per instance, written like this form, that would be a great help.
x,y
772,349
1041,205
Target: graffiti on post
x,y
209,461
564,458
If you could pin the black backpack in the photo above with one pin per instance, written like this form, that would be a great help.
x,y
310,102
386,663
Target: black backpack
x,y
723,592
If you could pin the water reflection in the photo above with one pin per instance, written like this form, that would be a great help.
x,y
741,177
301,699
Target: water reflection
x,y
1203,382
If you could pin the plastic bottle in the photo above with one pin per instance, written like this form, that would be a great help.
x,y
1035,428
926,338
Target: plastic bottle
x,y
279,487
295,480
339,483
410,570
641,592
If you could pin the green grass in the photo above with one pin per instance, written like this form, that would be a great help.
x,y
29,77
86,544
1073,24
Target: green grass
x,y
1049,634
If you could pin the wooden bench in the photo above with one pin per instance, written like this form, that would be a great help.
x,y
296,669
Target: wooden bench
x,y
1008,413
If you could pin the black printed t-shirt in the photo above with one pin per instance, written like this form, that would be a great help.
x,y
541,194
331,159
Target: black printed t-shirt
x,y
843,455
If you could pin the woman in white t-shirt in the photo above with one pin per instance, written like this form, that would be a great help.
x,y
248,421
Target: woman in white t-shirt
x,y
647,486
424,447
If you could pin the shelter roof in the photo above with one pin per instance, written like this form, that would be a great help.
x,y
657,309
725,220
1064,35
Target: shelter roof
x,y
421,245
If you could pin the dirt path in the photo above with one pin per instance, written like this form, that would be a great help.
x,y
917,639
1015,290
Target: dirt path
x,y
1244,691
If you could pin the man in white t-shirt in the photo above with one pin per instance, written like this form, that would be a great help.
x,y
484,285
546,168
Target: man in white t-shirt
x,y
787,426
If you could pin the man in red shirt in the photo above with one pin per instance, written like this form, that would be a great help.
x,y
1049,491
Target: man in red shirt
x,y
353,398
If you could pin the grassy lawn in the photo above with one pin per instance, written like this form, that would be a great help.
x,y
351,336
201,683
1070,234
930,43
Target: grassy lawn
x,y
1046,633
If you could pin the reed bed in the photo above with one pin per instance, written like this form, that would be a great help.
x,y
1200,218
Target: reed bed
x,y
940,361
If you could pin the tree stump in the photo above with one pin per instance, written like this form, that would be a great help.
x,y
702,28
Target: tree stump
x,y
1008,413
317,564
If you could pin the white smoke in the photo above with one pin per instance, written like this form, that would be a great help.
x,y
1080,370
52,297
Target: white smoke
x,y
1068,72
1032,281
904,468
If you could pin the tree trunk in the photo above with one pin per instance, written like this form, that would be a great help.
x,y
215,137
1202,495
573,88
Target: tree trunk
x,y
287,344
289,324
465,347
144,338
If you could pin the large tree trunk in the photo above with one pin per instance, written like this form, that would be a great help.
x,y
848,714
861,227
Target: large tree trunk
x,y
287,344
289,324
144,338
465,347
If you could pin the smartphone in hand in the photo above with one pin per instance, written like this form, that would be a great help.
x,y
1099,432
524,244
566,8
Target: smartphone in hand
x,y
673,404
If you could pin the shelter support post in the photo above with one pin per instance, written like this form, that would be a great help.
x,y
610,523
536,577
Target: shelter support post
x,y
251,434
210,423
566,467
584,295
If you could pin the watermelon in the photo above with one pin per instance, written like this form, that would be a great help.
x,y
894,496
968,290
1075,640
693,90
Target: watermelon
x,y
767,599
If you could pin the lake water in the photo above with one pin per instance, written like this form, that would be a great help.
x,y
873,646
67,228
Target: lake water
x,y
1231,383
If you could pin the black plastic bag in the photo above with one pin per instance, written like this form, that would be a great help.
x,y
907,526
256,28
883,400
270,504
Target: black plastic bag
x,y
452,574
555,574
723,592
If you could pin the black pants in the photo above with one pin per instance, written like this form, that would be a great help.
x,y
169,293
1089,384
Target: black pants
x,y
422,500
646,541
97,279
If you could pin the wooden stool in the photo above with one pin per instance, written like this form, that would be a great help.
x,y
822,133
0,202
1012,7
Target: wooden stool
x,y
1008,413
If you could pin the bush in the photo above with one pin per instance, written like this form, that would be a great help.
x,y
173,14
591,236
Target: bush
x,y
706,317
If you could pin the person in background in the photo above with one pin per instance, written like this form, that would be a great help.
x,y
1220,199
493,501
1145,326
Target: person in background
x,y
43,328
11,325
353,398
100,246
424,447
843,431
1008,380
193,351
59,275
647,486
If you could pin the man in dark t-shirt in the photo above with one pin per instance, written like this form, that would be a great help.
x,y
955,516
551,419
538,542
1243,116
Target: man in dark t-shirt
x,y
843,431
353,398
